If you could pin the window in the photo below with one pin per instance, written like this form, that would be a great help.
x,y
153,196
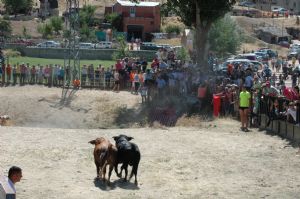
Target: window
x,y
132,12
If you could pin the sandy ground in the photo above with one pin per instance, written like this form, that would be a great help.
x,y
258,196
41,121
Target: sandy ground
x,y
214,161
39,106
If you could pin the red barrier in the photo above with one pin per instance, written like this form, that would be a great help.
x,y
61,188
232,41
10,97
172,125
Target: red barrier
x,y
217,105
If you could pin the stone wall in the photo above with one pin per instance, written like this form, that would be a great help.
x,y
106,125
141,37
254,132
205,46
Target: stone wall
x,y
91,54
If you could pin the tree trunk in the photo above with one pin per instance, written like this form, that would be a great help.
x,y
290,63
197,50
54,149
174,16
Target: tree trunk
x,y
201,44
202,47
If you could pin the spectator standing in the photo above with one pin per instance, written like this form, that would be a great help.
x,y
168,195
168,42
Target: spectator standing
x,y
160,86
61,76
107,76
8,73
269,90
117,81
14,72
91,72
84,73
55,75
3,69
294,78
18,72
14,176
32,75
23,74
245,98
40,75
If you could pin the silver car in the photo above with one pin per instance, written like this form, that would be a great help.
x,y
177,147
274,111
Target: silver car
x,y
49,44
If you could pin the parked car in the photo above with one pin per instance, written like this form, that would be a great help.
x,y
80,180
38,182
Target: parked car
x,y
293,53
270,52
86,45
49,44
285,44
104,44
149,46
263,54
249,56
166,46
247,4
222,68
25,42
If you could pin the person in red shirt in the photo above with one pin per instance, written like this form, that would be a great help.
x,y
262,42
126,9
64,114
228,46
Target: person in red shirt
x,y
8,73
229,69
118,65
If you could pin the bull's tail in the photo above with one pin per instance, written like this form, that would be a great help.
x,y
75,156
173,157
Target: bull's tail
x,y
103,156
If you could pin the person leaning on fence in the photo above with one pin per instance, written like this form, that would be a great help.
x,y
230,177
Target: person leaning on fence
x,y
245,98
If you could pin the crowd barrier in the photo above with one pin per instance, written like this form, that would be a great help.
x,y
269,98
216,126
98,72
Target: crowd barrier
x,y
279,126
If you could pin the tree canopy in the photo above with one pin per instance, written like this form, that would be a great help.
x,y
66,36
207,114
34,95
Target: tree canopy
x,y
200,15
17,6
224,36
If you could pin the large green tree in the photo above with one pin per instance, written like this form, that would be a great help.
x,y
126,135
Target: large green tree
x,y
200,15
17,6
225,37
87,14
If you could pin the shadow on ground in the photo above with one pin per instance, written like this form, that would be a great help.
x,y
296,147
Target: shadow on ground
x,y
104,186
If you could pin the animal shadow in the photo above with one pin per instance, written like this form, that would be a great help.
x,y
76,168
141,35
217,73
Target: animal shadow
x,y
104,186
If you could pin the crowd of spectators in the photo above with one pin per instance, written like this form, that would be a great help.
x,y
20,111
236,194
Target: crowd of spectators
x,y
165,75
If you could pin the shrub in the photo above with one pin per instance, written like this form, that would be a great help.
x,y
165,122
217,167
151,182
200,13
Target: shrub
x,y
173,29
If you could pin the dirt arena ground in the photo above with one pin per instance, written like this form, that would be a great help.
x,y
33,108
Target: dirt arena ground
x,y
214,161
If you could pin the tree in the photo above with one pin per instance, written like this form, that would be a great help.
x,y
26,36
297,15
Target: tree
x,y
86,34
116,21
25,33
122,50
56,23
224,36
5,28
17,6
45,29
86,15
199,15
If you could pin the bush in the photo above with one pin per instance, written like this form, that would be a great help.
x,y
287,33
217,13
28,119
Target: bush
x,y
12,53
45,29
56,23
5,28
173,29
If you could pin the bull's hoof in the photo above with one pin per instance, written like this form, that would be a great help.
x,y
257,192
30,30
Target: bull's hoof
x,y
136,183
119,175
125,180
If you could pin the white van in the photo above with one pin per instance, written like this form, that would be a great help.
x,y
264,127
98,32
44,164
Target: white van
x,y
104,44
86,46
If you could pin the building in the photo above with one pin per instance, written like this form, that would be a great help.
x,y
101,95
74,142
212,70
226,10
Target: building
x,y
272,35
267,5
139,19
